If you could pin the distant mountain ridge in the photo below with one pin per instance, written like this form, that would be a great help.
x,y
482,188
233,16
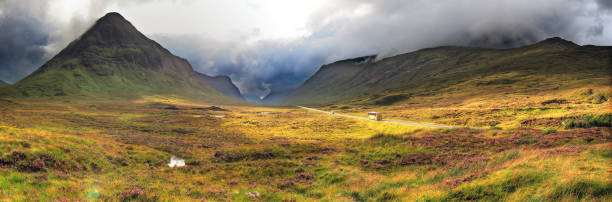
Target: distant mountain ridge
x,y
222,84
113,59
549,64
2,83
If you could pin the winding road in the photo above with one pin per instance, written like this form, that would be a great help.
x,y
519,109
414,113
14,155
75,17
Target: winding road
x,y
389,121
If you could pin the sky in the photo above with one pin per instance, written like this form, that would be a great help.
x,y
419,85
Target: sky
x,y
275,45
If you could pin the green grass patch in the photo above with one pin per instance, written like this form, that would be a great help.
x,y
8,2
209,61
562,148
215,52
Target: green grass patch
x,y
589,120
580,189
549,131
496,191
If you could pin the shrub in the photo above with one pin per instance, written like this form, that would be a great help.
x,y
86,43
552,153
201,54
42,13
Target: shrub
x,y
601,98
555,101
24,162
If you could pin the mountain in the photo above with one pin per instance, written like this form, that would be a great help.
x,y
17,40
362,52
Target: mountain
x,y
222,84
114,60
551,64
2,83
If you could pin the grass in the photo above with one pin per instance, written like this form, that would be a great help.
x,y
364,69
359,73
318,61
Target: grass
x,y
119,150
496,112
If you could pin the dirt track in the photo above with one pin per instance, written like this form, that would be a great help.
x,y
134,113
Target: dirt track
x,y
389,121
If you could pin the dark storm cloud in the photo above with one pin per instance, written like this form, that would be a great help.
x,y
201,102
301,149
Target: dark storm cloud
x,y
256,69
23,36
394,26
605,4
353,28
29,36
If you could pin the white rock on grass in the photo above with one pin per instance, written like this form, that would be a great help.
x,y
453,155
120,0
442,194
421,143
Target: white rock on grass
x,y
176,162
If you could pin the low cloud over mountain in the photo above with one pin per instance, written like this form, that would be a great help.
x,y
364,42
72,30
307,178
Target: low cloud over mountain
x,y
261,59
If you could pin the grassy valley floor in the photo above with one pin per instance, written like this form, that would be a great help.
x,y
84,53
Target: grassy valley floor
x,y
119,150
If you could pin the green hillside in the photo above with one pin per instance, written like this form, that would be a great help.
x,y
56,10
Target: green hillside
x,y
114,60
552,64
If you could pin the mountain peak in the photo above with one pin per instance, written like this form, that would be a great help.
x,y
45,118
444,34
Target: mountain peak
x,y
114,36
110,30
113,14
112,18
557,40
113,26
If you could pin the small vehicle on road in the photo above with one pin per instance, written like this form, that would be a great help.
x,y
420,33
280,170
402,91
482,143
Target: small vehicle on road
x,y
377,116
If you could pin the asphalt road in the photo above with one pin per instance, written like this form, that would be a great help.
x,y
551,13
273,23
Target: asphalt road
x,y
389,121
